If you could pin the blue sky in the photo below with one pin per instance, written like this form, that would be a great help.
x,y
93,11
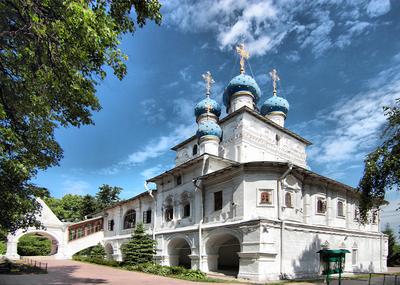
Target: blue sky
x,y
339,63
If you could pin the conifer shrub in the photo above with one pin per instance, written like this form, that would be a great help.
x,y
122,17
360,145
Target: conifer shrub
x,y
140,248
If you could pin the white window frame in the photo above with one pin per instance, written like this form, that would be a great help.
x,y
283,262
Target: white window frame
x,y
354,261
317,198
344,208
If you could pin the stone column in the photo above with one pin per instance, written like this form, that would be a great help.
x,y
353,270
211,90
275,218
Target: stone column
x,y
12,250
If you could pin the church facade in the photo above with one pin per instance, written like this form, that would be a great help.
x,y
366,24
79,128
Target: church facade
x,y
241,199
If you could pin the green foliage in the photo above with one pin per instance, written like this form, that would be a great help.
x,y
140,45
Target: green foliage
x,y
96,260
3,247
53,54
107,196
170,271
68,208
140,248
97,252
393,257
382,166
88,206
75,207
31,245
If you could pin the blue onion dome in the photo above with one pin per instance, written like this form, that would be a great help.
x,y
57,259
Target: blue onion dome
x,y
209,128
242,82
275,104
206,105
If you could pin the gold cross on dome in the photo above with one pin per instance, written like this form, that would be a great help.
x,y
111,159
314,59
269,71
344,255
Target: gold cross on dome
x,y
275,78
208,80
244,54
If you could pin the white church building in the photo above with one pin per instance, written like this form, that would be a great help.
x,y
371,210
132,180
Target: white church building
x,y
242,200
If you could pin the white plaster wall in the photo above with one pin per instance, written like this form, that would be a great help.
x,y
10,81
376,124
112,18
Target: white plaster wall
x,y
247,138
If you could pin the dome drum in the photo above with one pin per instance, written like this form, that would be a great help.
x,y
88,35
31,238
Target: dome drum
x,y
206,117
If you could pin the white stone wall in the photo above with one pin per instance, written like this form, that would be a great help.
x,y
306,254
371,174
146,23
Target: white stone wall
x,y
247,138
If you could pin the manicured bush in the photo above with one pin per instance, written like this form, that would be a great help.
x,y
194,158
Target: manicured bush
x,y
31,245
170,271
97,260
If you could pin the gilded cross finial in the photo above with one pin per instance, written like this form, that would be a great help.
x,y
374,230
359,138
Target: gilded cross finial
x,y
208,80
275,78
244,54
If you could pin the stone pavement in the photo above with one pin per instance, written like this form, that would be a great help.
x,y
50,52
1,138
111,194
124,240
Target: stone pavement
x,y
69,272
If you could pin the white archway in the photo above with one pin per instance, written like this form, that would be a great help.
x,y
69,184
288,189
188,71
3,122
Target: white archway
x,y
109,251
179,251
54,240
222,248
66,242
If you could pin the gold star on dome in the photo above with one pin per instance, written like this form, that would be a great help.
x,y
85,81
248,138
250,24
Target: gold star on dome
x,y
244,54
208,80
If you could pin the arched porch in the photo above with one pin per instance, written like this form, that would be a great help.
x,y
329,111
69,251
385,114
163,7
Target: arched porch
x,y
222,253
179,252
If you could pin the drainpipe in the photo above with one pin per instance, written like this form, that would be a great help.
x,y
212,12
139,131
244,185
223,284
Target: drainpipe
x,y
279,186
198,187
155,209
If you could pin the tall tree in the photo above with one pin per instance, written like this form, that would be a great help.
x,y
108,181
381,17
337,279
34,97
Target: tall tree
x,y
107,196
53,53
393,257
382,166
68,208
88,206
140,248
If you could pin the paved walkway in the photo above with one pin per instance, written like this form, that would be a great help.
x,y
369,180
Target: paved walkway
x,y
69,272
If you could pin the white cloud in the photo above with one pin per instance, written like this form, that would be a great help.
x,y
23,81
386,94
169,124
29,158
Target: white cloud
x,y
378,8
73,186
152,112
351,128
160,145
152,171
264,24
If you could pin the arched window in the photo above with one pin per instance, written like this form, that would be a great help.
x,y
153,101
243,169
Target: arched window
x,y
374,216
288,200
340,210
169,213
194,150
130,219
356,213
321,206
178,179
186,210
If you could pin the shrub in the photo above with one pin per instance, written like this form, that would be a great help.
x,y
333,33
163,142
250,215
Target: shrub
x,y
31,245
140,248
3,247
97,260
96,251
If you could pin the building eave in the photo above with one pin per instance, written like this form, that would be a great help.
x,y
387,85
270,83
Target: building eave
x,y
187,164
300,169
